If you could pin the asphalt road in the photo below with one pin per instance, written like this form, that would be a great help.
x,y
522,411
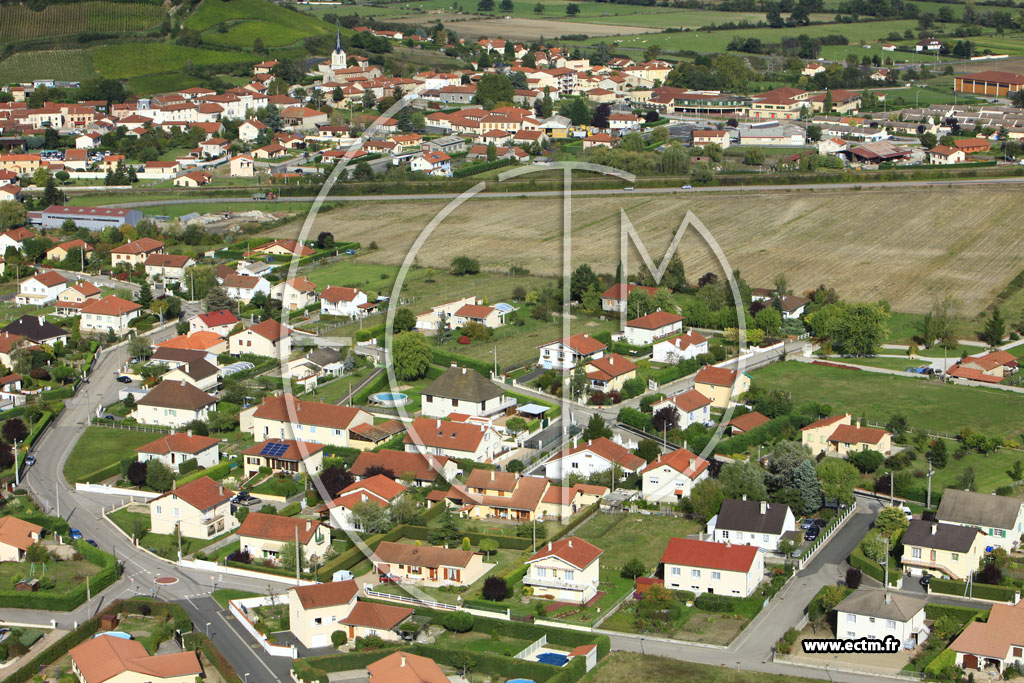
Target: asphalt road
x,y
558,193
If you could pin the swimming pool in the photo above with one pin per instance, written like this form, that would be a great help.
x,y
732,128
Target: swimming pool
x,y
552,658
390,398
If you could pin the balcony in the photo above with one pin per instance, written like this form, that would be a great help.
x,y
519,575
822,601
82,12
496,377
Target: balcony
x,y
531,580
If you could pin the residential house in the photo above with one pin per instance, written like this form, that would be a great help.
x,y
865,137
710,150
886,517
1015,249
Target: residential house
x,y
242,165
443,314
40,289
199,509
432,163
282,247
596,455
488,316
318,610
14,239
173,404
36,330
706,567
428,565
950,550
848,439
562,502
564,354
943,155
200,373
652,327
567,570
168,267
265,536
464,390
497,495
135,253
672,476
702,138
415,469
997,642
741,424
207,342
244,287
681,347
283,416
752,522
380,490
193,179
691,407
109,313
71,300
343,301
268,338
295,294
479,443
176,447
109,659
1000,517
721,385
880,614
16,537
998,364
816,435
8,344
283,456
405,667
609,373
61,251
615,298
219,322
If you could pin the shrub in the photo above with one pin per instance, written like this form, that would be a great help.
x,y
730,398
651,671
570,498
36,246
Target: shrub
x,y
339,638
187,466
713,602
633,568
853,577
369,643
495,588
459,622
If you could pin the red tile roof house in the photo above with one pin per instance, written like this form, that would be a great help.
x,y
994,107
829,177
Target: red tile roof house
x,y
567,570
609,373
997,642
615,298
672,476
721,385
177,447
108,658
597,455
318,610
692,407
742,424
429,565
200,509
268,338
379,489
285,417
415,469
265,537
284,456
564,354
680,347
706,567
479,443
343,301
652,327
219,322
995,363
405,667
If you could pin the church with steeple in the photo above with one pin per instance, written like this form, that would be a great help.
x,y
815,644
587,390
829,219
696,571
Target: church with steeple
x,y
339,60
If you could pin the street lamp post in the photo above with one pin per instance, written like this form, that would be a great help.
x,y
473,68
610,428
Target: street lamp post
x,y
208,629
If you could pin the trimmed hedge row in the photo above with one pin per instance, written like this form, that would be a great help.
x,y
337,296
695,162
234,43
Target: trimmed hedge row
x,y
363,395
217,472
370,333
353,556
580,518
982,591
84,632
473,169
962,615
446,358
420,533
48,522
860,561
70,600
44,419
223,666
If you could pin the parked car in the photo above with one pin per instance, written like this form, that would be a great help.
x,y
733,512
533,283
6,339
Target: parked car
x,y
807,524
124,379
92,543
387,578
30,460
811,534
687,187
925,580
245,498
76,535
628,189
907,511
350,252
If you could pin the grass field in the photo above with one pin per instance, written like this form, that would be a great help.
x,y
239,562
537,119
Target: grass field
x,y
246,20
629,667
930,405
70,65
158,83
67,573
19,23
101,447
623,537
129,60
887,363
815,237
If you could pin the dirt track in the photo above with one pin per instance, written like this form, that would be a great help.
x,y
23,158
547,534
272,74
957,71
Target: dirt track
x,y
903,245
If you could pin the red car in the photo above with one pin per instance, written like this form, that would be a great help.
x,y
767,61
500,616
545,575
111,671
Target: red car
x,y
387,578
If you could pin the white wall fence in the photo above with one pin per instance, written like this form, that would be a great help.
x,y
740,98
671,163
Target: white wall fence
x,y
409,600
241,610
530,650
206,565
130,494
823,539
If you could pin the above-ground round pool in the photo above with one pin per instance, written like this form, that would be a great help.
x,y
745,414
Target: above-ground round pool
x,y
390,398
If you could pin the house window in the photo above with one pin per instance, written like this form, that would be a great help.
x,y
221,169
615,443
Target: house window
x,y
695,573
654,481
541,572
956,556
158,509
915,553
725,533
890,624
176,512
716,576
569,574
676,571
765,537
851,618
933,555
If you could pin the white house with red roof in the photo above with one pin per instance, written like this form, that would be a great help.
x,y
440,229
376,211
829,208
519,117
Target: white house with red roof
x,y
609,373
597,455
109,313
378,489
680,347
199,509
219,322
318,610
692,407
268,338
651,327
480,443
343,301
177,447
672,476
706,567
567,570
432,163
564,354
40,289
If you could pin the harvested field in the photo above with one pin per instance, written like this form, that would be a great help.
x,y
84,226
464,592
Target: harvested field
x,y
907,246
529,29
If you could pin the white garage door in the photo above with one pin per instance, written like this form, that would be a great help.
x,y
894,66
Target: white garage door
x,y
321,640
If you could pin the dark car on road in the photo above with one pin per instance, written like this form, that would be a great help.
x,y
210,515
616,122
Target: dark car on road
x,y
124,379
811,534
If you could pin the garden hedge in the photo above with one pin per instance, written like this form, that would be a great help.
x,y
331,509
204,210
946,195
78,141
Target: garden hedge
x,y
982,591
962,615
420,533
859,560
446,358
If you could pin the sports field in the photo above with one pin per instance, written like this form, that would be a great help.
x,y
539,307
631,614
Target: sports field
x,y
907,245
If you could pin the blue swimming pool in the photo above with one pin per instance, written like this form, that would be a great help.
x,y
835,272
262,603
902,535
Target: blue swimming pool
x,y
552,658
390,398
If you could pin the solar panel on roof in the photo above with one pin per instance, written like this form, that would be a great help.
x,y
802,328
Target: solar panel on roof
x,y
274,449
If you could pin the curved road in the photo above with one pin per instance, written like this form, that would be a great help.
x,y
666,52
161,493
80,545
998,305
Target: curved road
x,y
558,193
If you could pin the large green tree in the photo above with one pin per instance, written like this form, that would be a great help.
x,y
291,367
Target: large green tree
x,y
837,478
411,355
706,499
493,89
743,478
855,329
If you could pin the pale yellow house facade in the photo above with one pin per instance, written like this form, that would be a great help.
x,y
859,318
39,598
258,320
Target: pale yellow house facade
x,y
200,508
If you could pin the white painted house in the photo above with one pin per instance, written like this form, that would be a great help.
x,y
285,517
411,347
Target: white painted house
x,y
652,327
564,354
752,522
678,348
672,476
878,614
692,407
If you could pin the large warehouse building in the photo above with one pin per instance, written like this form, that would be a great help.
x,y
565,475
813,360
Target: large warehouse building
x,y
91,217
990,83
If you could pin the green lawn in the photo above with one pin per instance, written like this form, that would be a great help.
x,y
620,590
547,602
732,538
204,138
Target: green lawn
x,y
164,545
335,390
66,573
623,537
630,667
482,643
99,449
887,363
223,595
930,405
954,353
278,486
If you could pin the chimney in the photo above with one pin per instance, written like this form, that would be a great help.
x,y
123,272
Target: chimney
x,y
888,598
190,432
744,497
438,424
549,546
611,360
308,524
935,528
570,541
764,507
403,661
174,484
728,544
220,489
